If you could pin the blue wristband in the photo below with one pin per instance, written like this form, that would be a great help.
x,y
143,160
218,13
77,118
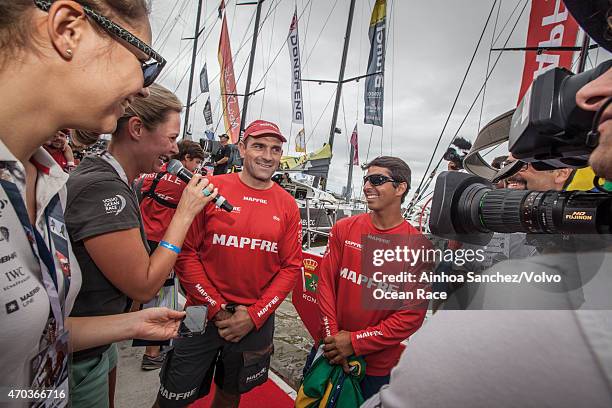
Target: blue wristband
x,y
169,246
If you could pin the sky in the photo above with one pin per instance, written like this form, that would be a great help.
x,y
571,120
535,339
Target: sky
x,y
429,46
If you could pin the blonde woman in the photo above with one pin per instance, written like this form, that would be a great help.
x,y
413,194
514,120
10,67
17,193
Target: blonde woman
x,y
107,233
63,64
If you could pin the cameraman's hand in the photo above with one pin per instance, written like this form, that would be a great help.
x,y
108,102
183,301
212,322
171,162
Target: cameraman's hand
x,y
237,326
193,199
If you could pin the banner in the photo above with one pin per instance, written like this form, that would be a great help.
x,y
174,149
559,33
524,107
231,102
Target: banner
x,y
204,79
300,142
293,42
550,25
221,8
229,99
355,144
208,112
375,83
304,296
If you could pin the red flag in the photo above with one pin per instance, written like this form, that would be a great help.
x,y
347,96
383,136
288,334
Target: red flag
x,y
355,144
231,109
550,25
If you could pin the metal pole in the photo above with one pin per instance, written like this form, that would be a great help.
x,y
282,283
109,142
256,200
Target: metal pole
x,y
341,78
245,104
308,222
349,182
584,52
193,58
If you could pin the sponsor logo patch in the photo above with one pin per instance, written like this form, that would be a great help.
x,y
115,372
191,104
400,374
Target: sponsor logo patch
x,y
114,205
11,307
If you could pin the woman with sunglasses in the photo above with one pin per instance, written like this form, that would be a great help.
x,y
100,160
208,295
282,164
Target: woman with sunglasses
x,y
48,49
107,233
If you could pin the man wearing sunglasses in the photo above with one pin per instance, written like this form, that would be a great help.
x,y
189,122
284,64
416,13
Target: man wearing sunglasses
x,y
528,178
348,328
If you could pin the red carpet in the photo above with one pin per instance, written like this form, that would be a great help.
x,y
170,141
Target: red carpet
x,y
268,395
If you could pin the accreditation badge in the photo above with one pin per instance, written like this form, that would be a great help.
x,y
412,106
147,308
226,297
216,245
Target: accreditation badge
x,y
49,370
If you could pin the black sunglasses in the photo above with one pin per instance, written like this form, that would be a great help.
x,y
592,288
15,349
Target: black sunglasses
x,y
150,68
523,167
378,179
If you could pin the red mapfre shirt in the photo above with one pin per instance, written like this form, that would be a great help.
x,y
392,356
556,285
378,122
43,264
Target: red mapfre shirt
x,y
251,256
58,156
375,334
155,216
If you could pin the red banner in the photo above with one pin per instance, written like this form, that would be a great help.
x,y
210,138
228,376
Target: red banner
x,y
355,144
550,25
304,296
231,109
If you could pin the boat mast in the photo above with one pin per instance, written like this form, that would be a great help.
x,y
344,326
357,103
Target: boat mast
x,y
247,91
332,130
349,182
584,52
193,60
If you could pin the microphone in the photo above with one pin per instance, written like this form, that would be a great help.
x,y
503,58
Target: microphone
x,y
176,168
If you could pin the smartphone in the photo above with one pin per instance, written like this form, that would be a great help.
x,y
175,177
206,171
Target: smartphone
x,y
194,322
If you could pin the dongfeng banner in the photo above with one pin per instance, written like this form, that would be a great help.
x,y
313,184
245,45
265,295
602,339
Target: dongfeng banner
x,y
375,82
293,42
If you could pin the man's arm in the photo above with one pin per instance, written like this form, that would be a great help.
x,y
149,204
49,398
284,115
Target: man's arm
x,y
401,324
191,272
290,254
389,332
326,287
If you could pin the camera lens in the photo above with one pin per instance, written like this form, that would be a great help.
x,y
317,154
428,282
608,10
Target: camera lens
x,y
549,212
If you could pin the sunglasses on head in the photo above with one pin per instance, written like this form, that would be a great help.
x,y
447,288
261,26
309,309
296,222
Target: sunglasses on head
x,y
150,68
523,167
378,179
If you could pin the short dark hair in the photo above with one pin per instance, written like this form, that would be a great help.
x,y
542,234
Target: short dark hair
x,y
498,161
224,135
399,169
191,148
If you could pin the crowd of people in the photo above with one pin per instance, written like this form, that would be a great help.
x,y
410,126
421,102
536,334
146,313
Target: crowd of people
x,y
95,253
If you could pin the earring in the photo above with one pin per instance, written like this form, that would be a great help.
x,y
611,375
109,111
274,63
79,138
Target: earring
x,y
69,52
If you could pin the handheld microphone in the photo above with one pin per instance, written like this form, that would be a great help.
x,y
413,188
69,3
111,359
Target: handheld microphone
x,y
176,168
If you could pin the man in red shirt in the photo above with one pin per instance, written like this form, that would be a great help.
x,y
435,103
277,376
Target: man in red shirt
x,y
349,328
59,149
241,265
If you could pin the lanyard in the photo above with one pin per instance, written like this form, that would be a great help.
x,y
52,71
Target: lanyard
x,y
41,250
107,157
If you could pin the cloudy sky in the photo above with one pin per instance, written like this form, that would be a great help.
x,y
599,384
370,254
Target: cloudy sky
x,y
429,47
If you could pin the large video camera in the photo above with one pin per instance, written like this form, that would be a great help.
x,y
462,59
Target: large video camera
x,y
549,131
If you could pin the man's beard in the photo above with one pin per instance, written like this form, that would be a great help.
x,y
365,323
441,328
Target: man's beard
x,y
516,182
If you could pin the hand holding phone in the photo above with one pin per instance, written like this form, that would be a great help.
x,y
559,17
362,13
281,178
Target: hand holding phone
x,y
194,322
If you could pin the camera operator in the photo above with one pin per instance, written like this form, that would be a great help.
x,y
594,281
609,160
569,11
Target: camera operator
x,y
523,358
222,157
528,178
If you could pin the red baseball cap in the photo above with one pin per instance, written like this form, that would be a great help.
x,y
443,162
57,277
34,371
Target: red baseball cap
x,y
261,128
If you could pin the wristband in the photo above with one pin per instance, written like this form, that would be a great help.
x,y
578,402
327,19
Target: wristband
x,y
169,246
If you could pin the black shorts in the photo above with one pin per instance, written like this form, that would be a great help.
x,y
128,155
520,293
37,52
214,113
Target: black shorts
x,y
237,367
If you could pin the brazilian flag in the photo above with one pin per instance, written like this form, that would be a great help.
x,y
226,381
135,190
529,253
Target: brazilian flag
x,y
328,386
